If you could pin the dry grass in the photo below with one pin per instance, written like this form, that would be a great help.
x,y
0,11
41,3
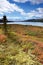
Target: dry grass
x,y
23,45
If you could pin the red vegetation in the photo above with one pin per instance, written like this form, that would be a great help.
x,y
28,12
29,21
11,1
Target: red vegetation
x,y
38,51
2,38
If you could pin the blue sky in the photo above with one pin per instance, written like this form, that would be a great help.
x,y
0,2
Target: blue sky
x,y
21,9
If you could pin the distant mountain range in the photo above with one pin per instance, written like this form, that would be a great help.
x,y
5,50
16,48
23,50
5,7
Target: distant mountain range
x,y
30,20
33,20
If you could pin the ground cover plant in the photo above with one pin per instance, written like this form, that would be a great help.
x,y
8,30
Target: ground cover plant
x,y
23,45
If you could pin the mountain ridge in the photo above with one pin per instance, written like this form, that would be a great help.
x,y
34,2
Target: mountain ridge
x,y
29,20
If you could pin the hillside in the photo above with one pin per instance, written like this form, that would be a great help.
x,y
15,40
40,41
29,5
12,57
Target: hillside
x,y
33,20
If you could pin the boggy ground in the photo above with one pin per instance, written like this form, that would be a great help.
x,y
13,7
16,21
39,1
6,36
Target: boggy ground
x,y
23,45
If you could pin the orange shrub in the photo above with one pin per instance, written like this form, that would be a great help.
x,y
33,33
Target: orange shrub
x,y
2,38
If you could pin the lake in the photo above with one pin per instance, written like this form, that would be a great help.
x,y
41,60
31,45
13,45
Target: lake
x,y
28,23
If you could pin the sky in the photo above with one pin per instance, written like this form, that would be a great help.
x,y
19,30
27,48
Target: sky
x,y
21,9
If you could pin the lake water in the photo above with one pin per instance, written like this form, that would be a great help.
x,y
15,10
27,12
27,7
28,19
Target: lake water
x,y
28,23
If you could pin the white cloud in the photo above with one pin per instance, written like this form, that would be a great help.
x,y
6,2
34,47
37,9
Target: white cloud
x,y
22,1
40,10
0,17
32,1
14,18
6,7
38,13
36,1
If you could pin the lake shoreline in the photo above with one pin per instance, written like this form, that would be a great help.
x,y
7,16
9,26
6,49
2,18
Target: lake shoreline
x,y
23,25
40,24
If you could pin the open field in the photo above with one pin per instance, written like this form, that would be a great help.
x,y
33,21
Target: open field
x,y
23,45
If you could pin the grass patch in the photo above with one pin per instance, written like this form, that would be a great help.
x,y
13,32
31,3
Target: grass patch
x,y
32,33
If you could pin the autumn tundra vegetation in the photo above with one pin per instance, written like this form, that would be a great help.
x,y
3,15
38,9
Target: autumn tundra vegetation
x,y
21,45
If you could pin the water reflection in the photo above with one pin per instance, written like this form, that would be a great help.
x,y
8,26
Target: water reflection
x,y
28,23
